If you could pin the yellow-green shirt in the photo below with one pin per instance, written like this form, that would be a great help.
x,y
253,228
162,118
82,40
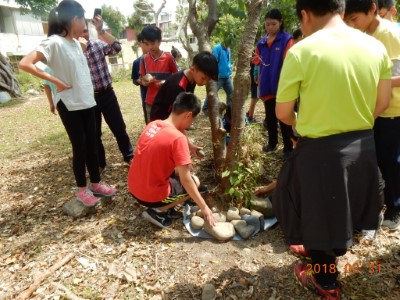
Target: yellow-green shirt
x,y
389,34
335,73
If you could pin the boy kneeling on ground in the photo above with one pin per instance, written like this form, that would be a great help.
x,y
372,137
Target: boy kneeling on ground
x,y
161,152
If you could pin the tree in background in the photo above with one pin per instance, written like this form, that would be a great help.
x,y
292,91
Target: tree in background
x,y
115,20
144,9
37,7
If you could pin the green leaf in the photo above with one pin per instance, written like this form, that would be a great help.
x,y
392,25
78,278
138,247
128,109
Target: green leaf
x,y
225,173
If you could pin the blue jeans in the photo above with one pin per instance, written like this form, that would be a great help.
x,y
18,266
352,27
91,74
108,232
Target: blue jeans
x,y
226,84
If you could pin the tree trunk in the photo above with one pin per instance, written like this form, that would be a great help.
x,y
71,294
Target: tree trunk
x,y
242,85
202,32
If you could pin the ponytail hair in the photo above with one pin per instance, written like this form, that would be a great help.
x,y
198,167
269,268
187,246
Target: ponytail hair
x,y
60,17
275,14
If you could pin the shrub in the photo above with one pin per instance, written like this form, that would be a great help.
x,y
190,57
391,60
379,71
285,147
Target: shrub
x,y
27,81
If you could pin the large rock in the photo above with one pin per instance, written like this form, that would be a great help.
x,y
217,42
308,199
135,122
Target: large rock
x,y
222,231
208,292
244,230
197,222
194,209
76,209
233,214
263,205
256,213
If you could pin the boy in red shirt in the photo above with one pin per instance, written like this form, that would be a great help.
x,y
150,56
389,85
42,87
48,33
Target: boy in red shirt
x,y
161,152
159,65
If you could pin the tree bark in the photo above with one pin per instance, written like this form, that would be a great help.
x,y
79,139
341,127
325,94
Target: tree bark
x,y
242,85
203,32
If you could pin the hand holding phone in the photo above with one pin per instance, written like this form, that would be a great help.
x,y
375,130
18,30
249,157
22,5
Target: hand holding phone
x,y
97,11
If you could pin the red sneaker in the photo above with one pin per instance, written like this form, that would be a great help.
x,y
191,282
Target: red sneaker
x,y
306,278
300,252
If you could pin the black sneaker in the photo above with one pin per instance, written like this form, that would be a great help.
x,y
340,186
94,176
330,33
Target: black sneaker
x,y
269,148
392,219
173,214
160,219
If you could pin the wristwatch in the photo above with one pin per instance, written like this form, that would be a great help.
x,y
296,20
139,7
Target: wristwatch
x,y
101,32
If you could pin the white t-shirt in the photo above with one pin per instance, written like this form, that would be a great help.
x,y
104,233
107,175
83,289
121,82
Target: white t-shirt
x,y
69,64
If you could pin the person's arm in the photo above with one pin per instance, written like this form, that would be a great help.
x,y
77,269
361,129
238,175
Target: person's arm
x,y
27,64
383,97
395,81
114,46
285,112
49,95
191,188
288,46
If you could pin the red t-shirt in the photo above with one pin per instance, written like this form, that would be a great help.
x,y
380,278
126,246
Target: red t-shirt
x,y
161,68
161,148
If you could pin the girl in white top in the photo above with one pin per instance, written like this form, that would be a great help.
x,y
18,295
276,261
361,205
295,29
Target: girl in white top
x,y
74,98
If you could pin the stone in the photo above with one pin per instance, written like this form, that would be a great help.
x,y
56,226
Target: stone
x,y
4,97
263,205
256,213
200,214
197,222
215,209
76,209
233,214
194,209
244,230
219,217
222,231
245,211
208,292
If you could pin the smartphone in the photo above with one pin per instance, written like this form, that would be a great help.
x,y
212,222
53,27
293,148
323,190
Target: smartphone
x,y
97,11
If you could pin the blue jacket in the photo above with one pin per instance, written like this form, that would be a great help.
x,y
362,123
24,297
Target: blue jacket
x,y
271,61
223,56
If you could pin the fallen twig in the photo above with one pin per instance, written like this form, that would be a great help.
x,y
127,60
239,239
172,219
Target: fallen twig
x,y
67,292
28,292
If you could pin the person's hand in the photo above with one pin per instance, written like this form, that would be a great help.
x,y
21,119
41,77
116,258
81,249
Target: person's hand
x,y
61,86
194,148
160,83
97,21
256,80
208,216
53,109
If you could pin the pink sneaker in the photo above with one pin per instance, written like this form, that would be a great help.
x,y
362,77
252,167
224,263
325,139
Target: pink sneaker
x,y
87,198
103,190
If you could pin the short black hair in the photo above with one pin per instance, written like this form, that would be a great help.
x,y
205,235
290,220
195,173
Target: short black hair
x,y
388,4
359,6
297,33
321,7
139,37
205,62
275,14
186,102
151,33
175,52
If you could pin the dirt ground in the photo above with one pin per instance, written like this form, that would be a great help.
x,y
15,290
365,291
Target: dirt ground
x,y
115,254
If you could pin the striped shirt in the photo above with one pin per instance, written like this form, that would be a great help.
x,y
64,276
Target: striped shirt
x,y
96,56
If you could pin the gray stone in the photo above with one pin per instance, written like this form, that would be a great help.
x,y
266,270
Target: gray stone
x,y
244,230
197,222
194,209
76,209
200,214
222,231
219,217
245,211
232,214
263,205
4,97
208,292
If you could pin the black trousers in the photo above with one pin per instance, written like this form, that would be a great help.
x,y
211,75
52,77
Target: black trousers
x,y
387,143
107,105
81,129
271,123
324,265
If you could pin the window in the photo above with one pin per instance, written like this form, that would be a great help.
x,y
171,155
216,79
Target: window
x,y
6,21
192,40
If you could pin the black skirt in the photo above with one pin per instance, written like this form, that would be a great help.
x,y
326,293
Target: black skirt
x,y
326,188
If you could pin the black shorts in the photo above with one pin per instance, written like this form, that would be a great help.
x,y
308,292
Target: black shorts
x,y
176,194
